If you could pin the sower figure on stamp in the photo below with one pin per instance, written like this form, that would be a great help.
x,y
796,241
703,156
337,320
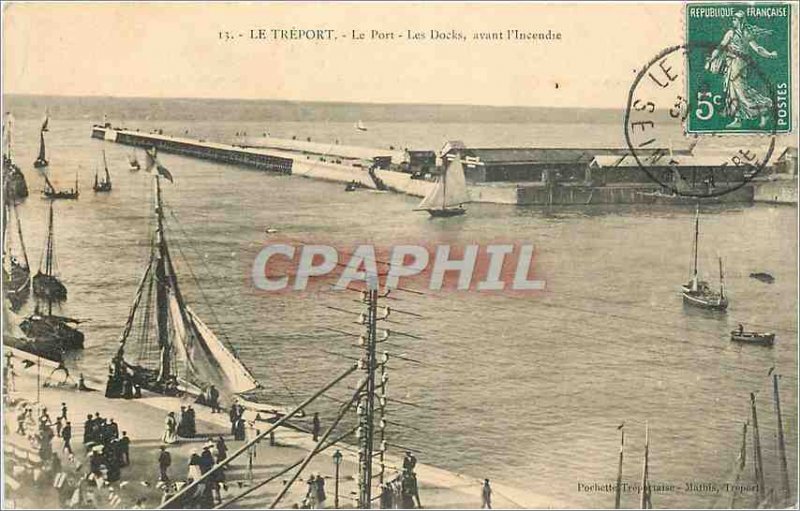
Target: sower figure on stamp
x,y
742,99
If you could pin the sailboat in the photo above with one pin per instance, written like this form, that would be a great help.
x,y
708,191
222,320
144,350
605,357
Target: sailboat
x,y
13,179
449,194
133,162
49,335
165,347
360,126
102,185
16,271
41,159
698,293
50,191
45,283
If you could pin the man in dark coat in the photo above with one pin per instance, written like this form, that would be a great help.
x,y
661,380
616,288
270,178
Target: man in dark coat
x,y
213,399
233,415
164,461
88,429
222,449
191,422
113,430
315,426
206,459
124,449
66,435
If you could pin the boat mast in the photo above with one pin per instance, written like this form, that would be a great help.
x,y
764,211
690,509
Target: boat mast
x,y
787,490
696,245
444,187
48,254
162,313
618,489
21,240
41,145
757,462
105,165
721,280
645,503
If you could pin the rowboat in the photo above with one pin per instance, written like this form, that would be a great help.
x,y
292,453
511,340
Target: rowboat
x,y
762,338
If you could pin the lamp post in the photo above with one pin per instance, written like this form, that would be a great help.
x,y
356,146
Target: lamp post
x,y
337,460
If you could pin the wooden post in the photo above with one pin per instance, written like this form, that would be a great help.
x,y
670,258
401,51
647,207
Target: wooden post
x,y
618,491
757,462
787,491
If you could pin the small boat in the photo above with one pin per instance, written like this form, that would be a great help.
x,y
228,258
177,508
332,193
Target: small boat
x,y
352,186
762,338
41,160
13,179
763,277
45,283
133,163
270,230
360,126
102,185
698,293
16,267
50,191
50,335
449,195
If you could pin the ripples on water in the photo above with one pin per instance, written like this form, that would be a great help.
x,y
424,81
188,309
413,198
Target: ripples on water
x,y
526,390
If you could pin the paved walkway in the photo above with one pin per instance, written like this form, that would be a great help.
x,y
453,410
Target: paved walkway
x,y
143,419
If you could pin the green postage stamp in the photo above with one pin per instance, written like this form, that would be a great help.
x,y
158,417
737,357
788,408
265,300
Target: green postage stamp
x,y
739,67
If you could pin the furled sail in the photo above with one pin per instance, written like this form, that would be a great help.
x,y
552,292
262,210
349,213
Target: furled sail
x,y
450,189
172,340
41,146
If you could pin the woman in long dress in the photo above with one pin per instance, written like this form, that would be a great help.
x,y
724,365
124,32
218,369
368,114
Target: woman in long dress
x,y
170,429
743,100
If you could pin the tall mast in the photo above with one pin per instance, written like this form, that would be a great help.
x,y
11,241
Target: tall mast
x,y
721,280
787,491
757,463
19,233
618,489
105,165
741,463
645,503
48,254
162,313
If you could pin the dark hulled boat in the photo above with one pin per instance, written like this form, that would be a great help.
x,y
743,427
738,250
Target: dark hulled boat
x,y
16,268
50,191
449,195
165,347
102,185
45,283
698,293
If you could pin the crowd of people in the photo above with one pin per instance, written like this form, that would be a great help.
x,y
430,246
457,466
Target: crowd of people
x,y
208,492
109,451
402,492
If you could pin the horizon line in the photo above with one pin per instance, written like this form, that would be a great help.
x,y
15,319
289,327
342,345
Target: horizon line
x,y
274,100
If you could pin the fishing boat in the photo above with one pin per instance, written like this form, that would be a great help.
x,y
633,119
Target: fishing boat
x,y
761,338
763,277
133,163
46,284
449,195
698,293
102,185
50,191
165,347
360,126
13,179
16,268
41,160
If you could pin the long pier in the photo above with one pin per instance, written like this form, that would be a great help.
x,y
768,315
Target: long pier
x,y
223,153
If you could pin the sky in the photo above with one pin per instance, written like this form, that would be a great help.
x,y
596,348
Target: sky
x,y
174,50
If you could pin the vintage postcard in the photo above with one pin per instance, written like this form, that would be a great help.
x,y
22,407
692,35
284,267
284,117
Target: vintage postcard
x,y
397,255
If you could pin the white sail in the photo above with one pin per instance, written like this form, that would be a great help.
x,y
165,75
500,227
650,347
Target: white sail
x,y
232,374
450,190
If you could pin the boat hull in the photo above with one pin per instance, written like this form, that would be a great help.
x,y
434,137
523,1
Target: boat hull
x,y
715,303
51,336
61,195
102,187
762,339
17,285
446,213
16,186
40,163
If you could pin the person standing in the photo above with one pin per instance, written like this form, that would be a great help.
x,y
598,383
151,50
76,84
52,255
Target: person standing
x,y
64,411
66,436
113,430
409,462
125,449
233,415
311,494
213,399
321,491
222,449
315,426
191,422
170,429
164,461
183,422
88,429
194,468
486,498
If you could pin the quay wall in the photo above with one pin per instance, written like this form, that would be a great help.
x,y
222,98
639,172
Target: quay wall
x,y
776,192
